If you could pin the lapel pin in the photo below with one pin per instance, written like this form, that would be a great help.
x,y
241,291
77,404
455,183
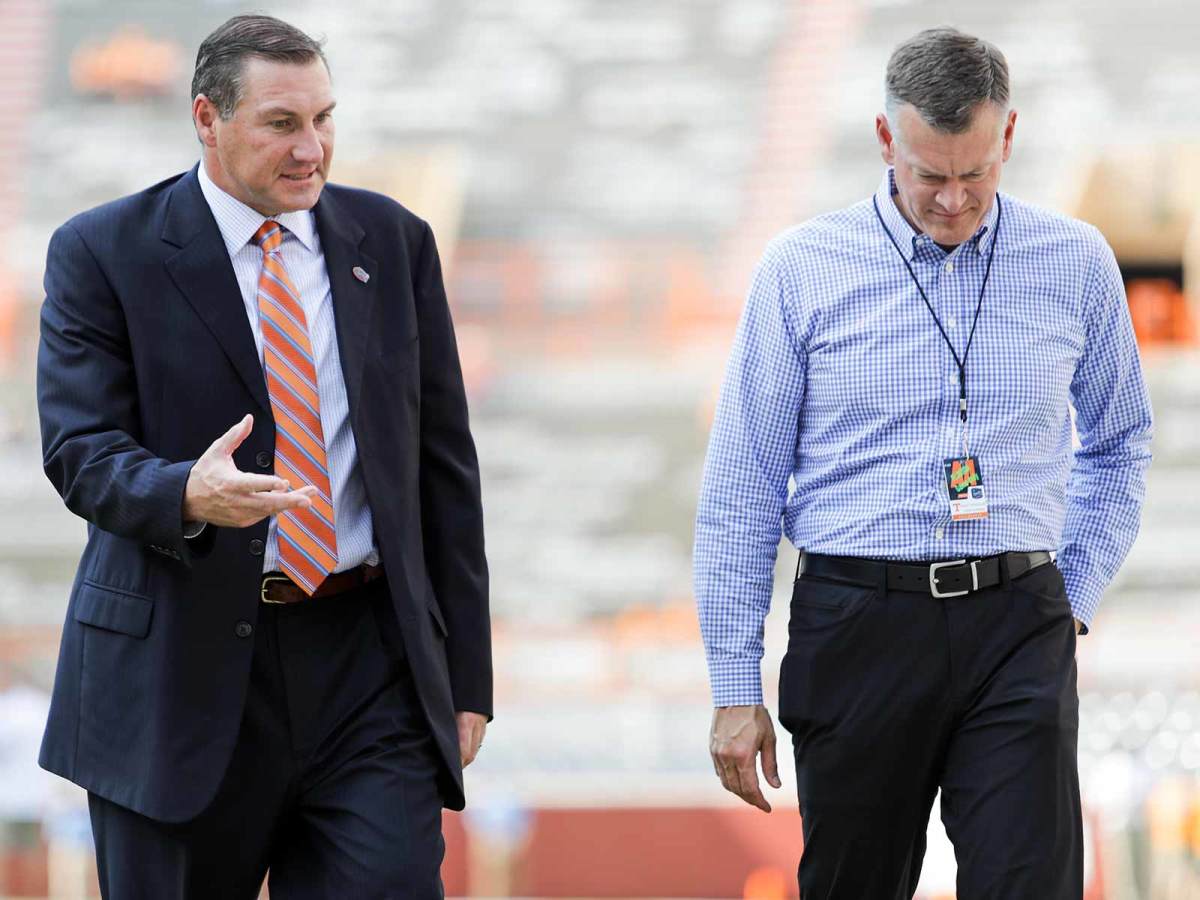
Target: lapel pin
x,y
361,274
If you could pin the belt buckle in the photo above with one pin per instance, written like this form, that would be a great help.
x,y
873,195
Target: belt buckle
x,y
933,588
266,582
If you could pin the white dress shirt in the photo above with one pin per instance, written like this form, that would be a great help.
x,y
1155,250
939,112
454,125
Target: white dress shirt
x,y
305,264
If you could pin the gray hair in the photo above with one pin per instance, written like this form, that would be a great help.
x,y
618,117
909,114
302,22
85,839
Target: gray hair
x,y
945,75
221,58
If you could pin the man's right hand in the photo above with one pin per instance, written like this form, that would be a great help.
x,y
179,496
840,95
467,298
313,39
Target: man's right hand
x,y
739,733
221,494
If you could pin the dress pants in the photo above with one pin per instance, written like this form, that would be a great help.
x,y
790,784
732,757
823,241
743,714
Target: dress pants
x,y
890,695
333,784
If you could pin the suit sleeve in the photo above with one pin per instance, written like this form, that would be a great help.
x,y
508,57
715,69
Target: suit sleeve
x,y
451,510
88,408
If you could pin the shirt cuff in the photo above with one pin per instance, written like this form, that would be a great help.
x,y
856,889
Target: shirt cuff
x,y
736,681
193,529
1084,595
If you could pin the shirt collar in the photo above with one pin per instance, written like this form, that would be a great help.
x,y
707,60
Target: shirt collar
x,y
907,236
238,222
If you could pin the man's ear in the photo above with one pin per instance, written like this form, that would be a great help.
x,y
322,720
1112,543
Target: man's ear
x,y
204,117
1009,128
883,134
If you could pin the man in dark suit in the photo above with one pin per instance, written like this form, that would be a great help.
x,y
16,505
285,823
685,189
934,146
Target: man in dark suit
x,y
277,648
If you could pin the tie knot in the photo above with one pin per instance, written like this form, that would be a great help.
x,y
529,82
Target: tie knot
x,y
269,236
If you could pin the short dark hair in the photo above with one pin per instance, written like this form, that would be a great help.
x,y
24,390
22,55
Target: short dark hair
x,y
945,75
222,55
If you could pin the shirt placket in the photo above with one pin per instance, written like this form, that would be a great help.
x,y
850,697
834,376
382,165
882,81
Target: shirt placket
x,y
948,305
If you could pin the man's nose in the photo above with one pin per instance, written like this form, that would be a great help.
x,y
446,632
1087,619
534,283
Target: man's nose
x,y
952,198
308,148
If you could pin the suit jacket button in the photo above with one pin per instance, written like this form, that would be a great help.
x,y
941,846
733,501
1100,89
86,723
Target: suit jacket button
x,y
256,547
243,629
263,458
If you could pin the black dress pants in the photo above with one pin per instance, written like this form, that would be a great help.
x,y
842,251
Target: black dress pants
x,y
333,784
890,695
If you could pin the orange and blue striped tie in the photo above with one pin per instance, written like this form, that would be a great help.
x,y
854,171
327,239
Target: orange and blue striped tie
x,y
307,540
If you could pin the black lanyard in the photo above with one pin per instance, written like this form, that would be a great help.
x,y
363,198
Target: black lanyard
x,y
962,363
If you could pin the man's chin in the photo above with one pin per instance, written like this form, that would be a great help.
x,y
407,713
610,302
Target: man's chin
x,y
950,237
295,199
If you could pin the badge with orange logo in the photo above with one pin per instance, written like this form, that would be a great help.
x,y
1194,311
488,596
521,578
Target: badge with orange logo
x,y
964,479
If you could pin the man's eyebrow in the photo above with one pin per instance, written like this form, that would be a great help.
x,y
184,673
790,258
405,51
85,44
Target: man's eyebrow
x,y
284,112
929,173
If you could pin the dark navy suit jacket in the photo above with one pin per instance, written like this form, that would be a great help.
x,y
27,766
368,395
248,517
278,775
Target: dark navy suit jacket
x,y
146,357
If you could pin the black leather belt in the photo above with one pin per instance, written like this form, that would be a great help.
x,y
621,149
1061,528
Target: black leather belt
x,y
949,578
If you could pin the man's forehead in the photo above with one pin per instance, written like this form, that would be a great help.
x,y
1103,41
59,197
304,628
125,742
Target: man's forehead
x,y
940,153
267,84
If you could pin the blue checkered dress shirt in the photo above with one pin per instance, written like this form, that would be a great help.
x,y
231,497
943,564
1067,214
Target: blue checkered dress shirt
x,y
840,404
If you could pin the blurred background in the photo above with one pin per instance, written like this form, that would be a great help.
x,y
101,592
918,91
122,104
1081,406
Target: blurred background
x,y
602,176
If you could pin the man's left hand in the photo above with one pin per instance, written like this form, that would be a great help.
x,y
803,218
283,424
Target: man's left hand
x,y
1078,627
471,727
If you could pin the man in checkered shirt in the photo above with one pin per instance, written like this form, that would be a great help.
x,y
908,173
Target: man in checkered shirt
x,y
899,402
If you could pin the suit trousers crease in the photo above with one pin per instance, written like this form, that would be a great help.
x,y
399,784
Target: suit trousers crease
x,y
334,785
891,695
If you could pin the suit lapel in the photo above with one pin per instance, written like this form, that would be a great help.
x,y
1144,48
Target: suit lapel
x,y
204,275
353,298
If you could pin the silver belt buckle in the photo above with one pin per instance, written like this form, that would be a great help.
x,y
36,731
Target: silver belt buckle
x,y
933,582
266,582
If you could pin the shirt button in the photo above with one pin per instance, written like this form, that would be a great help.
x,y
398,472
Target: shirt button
x,y
949,267
243,629
951,321
256,547
940,533
263,458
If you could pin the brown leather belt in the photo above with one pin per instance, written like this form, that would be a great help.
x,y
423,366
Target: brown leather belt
x,y
278,588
